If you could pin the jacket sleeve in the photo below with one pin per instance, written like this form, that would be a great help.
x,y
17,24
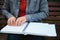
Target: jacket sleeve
x,y
5,9
42,14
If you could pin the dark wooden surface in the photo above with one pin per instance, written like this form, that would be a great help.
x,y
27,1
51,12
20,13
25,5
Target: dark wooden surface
x,y
54,18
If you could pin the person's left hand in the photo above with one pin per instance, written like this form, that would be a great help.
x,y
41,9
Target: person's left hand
x,y
20,20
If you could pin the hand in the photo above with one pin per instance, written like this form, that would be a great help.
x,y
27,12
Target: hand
x,y
11,21
20,20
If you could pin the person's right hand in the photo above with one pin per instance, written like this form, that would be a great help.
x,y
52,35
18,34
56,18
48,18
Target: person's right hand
x,y
11,21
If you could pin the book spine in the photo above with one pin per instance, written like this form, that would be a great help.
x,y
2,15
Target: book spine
x,y
26,26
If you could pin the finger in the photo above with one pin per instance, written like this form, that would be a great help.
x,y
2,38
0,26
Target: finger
x,y
9,22
23,21
13,22
18,21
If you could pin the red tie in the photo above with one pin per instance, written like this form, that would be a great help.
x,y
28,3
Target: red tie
x,y
22,9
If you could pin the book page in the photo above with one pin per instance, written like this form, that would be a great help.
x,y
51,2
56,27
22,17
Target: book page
x,y
14,29
41,29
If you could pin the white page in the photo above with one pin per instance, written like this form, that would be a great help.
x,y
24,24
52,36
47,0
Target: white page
x,y
14,29
42,29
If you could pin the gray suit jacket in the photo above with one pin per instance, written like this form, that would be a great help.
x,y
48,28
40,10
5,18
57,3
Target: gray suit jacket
x,y
35,9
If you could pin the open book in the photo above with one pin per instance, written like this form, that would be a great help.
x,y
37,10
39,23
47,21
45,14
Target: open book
x,y
32,28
